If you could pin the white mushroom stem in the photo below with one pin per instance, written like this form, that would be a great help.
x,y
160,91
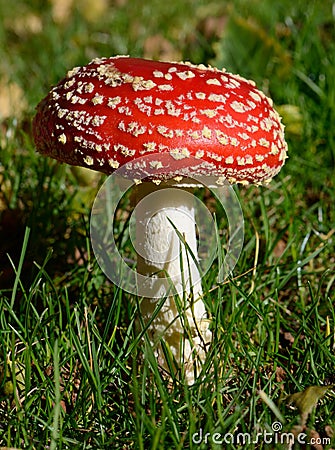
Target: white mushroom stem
x,y
169,261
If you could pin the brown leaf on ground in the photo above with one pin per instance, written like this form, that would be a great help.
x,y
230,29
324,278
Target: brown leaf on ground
x,y
316,438
280,374
92,10
25,24
12,99
158,47
61,10
329,431
307,400
279,248
212,27
289,337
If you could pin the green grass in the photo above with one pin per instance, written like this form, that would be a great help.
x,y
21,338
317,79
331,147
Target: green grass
x,y
70,358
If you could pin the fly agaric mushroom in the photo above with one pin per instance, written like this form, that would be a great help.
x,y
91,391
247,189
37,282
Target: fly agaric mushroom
x,y
192,120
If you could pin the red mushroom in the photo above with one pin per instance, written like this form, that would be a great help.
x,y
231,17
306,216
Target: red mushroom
x,y
192,120
117,109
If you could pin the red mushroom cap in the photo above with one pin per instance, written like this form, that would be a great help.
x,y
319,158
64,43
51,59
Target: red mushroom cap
x,y
114,110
